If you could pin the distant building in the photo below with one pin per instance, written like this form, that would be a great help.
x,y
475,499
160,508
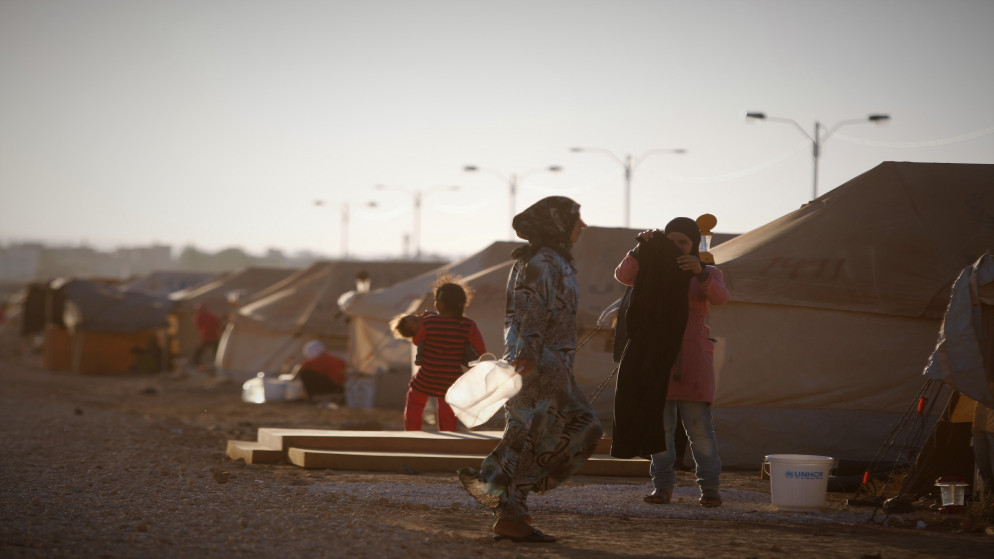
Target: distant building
x,y
137,261
20,262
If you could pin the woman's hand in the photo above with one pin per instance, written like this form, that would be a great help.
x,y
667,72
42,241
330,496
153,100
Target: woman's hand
x,y
523,366
644,236
690,263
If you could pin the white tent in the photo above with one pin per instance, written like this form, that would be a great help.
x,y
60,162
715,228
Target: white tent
x,y
835,307
268,331
222,295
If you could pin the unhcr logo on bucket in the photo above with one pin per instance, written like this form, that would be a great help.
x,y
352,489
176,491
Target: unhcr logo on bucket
x,y
803,475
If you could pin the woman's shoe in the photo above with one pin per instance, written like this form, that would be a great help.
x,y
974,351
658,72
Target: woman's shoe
x,y
471,482
710,498
535,536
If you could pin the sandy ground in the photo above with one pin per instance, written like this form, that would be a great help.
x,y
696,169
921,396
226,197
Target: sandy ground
x,y
135,466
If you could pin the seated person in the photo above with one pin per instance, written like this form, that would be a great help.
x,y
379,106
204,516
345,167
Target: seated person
x,y
320,372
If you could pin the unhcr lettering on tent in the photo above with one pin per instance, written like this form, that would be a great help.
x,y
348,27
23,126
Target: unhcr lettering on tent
x,y
803,475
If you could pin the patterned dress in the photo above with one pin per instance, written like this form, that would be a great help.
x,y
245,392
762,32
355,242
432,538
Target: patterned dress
x,y
551,427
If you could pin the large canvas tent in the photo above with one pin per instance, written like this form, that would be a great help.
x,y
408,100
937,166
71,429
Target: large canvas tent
x,y
270,329
222,295
835,307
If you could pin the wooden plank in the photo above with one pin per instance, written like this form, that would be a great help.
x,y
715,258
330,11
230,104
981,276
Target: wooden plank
x,y
476,442
597,465
253,452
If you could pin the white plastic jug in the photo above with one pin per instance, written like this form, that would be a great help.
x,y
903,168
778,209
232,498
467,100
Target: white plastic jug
x,y
482,390
254,389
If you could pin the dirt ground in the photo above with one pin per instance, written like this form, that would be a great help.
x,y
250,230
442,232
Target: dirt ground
x,y
135,466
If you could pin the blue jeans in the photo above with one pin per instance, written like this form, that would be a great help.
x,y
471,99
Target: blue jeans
x,y
703,445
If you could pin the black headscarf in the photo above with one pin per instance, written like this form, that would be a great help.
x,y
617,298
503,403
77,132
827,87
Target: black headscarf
x,y
689,228
548,222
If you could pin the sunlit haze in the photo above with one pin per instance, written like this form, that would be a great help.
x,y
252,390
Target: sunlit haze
x,y
218,124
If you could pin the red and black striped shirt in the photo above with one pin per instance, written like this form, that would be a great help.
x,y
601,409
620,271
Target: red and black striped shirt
x,y
442,340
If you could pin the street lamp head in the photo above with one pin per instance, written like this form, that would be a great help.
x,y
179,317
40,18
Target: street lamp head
x,y
679,150
756,115
879,118
470,168
576,150
554,168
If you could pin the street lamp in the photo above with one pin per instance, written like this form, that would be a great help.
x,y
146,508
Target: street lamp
x,y
344,207
512,180
819,138
629,163
418,195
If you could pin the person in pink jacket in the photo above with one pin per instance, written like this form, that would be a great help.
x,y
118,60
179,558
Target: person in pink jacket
x,y
692,380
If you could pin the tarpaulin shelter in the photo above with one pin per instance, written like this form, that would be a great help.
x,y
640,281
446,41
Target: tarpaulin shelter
x,y
270,329
963,361
834,309
108,330
223,295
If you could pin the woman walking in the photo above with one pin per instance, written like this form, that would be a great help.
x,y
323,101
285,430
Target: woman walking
x,y
551,427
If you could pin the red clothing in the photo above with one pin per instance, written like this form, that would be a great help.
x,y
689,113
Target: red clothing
x,y
692,377
207,325
442,340
415,408
327,365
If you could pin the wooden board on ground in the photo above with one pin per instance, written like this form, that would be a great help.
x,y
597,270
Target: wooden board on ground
x,y
253,452
408,462
387,441
398,451
274,443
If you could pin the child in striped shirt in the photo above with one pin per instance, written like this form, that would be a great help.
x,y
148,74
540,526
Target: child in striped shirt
x,y
445,342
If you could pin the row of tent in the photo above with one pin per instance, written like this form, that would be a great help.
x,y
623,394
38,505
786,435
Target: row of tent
x,y
834,309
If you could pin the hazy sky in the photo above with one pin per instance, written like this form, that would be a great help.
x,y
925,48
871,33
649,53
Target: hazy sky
x,y
218,123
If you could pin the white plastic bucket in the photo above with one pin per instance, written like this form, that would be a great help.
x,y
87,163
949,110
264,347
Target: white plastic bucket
x,y
798,481
360,391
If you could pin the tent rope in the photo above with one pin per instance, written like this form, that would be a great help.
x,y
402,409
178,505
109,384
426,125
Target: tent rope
x,y
587,337
597,391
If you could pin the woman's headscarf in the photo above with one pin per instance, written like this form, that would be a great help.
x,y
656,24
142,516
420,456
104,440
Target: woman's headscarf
x,y
548,222
312,349
689,228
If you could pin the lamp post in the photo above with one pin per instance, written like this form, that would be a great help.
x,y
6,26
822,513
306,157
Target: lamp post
x,y
820,136
629,163
418,195
513,181
345,209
